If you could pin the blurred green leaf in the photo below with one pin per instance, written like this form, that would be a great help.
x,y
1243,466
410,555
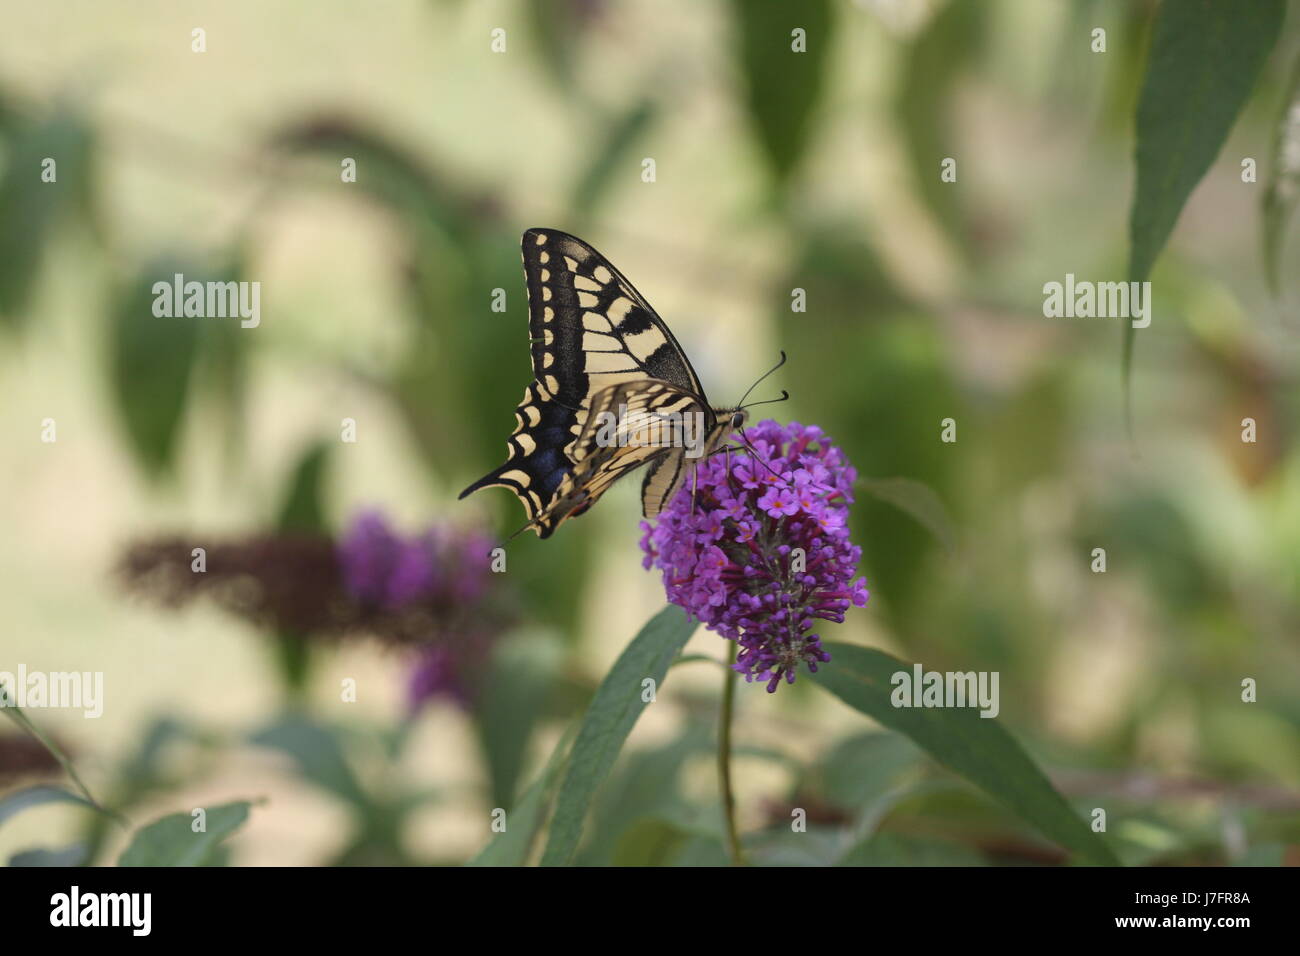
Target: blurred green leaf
x,y
513,697
318,755
15,713
1203,61
894,849
609,720
649,842
934,65
172,841
1283,189
30,208
303,507
860,770
72,855
388,171
612,158
12,804
648,786
559,28
975,747
917,500
783,85
151,360
302,511
525,819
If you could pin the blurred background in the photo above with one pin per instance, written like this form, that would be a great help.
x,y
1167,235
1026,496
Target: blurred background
x,y
773,171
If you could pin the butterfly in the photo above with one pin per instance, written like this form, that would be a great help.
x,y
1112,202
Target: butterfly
x,y
611,391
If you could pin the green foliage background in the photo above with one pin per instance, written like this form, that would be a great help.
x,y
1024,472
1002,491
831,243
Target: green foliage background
x,y
775,171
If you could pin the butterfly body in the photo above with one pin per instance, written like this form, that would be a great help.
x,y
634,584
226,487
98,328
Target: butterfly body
x,y
612,391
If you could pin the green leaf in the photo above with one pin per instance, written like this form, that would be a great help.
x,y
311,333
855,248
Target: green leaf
x,y
512,699
610,160
1203,61
1283,190
783,85
918,500
15,803
30,208
302,511
172,841
72,855
608,721
975,747
525,818
15,713
934,66
151,360
318,755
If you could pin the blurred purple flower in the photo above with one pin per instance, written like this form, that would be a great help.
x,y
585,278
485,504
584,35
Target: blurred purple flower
x,y
729,558
432,592
440,570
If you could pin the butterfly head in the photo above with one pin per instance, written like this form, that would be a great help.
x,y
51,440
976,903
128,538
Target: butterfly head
x,y
738,418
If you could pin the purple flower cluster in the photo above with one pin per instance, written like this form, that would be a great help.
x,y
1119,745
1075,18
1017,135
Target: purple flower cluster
x,y
761,550
430,587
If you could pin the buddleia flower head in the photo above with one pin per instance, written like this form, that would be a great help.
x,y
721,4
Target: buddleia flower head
x,y
430,593
757,548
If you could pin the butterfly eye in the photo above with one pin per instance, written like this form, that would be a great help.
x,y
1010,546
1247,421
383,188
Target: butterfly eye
x,y
737,419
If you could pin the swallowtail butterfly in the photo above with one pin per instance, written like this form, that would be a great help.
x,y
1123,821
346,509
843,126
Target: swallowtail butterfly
x,y
611,391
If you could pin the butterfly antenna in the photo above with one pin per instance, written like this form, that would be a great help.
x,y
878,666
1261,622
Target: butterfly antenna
x,y
760,379
785,396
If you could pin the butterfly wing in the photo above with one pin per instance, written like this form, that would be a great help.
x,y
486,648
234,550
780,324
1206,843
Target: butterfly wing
x,y
631,424
590,330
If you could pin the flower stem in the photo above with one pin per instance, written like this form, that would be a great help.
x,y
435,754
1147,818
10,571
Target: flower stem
x,y
724,765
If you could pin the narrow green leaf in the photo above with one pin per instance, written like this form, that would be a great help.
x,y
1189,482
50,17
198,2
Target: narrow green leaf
x,y
318,755
31,207
512,700
1204,59
975,747
610,159
783,84
151,361
608,721
15,713
1283,190
72,855
172,841
15,803
934,66
918,500
302,510
526,818
303,507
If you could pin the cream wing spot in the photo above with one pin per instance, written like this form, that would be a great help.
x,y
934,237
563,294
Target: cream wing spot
x,y
587,301
541,241
619,308
586,285
571,264
603,275
595,322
